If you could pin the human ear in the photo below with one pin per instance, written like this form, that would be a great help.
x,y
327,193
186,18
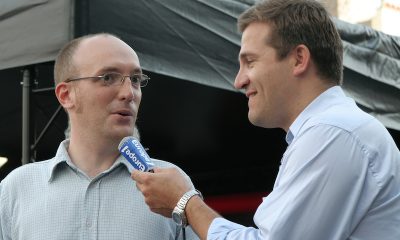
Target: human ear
x,y
301,55
64,95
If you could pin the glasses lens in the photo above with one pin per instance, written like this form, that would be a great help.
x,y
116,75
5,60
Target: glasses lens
x,y
144,80
135,80
139,79
112,78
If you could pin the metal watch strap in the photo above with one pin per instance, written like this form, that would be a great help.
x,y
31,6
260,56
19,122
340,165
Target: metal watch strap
x,y
185,198
179,210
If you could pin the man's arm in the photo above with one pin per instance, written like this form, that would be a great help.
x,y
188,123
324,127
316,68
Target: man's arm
x,y
162,191
199,216
317,195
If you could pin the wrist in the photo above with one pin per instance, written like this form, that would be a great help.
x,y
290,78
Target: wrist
x,y
179,214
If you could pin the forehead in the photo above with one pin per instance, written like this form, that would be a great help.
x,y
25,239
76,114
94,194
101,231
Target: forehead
x,y
254,38
101,52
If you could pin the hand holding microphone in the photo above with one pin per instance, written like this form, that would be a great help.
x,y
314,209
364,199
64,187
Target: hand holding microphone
x,y
153,184
163,187
166,190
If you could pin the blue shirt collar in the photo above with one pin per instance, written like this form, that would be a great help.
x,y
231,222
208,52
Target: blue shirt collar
x,y
319,104
62,157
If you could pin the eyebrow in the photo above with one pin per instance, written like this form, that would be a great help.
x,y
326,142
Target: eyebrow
x,y
245,55
115,69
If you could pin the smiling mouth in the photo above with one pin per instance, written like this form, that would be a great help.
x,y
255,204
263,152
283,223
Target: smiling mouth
x,y
249,94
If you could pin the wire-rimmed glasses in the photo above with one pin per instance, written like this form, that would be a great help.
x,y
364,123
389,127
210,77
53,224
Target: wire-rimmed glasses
x,y
115,78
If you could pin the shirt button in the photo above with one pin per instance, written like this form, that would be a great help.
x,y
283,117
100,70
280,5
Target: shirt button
x,y
88,224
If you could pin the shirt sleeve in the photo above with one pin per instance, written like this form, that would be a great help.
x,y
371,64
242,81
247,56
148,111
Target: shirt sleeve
x,y
316,195
221,229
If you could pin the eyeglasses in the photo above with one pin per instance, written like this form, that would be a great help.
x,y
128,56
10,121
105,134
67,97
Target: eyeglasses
x,y
114,78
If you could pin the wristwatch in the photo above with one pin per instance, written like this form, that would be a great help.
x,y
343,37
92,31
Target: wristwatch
x,y
178,214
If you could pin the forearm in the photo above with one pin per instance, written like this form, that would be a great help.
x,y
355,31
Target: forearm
x,y
199,216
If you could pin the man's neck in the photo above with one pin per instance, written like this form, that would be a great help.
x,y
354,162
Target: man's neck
x,y
306,93
92,157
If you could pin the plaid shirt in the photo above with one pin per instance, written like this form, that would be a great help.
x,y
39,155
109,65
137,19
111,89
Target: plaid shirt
x,y
53,199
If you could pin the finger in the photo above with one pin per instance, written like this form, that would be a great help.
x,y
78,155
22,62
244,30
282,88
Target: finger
x,y
157,170
136,175
139,186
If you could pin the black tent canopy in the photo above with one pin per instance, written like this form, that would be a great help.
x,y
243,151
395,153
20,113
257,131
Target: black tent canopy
x,y
193,40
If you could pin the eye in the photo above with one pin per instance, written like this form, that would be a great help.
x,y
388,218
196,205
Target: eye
x,y
250,63
111,78
136,79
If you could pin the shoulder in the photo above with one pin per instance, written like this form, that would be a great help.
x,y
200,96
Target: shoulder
x,y
352,137
347,117
21,185
26,176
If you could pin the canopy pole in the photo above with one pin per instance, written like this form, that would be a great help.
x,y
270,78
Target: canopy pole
x,y
26,92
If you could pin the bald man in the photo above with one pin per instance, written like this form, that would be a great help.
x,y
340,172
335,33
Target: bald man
x,y
85,191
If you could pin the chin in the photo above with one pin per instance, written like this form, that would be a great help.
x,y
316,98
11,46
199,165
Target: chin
x,y
256,120
121,134
125,134
252,118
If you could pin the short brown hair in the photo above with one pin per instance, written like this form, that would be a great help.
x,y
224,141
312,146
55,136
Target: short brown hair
x,y
64,67
295,22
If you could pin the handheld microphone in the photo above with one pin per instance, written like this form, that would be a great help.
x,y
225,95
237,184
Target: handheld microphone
x,y
133,151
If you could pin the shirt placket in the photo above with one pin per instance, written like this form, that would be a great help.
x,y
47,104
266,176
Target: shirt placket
x,y
92,205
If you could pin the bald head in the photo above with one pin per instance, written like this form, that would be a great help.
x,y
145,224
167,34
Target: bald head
x,y
83,50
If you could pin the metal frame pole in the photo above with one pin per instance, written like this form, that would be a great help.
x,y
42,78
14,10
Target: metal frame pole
x,y
26,94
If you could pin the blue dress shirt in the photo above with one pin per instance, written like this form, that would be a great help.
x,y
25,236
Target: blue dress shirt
x,y
339,179
53,199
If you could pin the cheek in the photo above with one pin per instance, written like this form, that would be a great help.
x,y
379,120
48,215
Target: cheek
x,y
95,100
139,95
269,87
77,99
263,81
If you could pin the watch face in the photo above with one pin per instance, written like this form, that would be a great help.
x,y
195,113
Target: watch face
x,y
177,218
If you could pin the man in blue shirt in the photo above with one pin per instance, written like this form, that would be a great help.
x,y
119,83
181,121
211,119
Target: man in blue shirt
x,y
85,191
340,175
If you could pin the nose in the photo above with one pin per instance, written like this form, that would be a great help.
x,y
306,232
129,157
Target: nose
x,y
241,79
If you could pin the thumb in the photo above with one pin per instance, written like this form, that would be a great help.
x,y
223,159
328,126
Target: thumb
x,y
157,170
136,175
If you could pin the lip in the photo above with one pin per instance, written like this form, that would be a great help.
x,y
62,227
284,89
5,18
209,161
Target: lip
x,y
124,112
250,93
